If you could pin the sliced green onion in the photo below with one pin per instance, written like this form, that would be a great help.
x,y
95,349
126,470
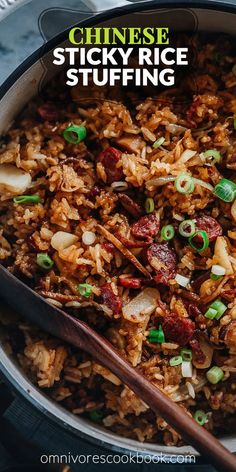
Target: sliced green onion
x,y
217,272
186,354
212,153
205,241
215,310
156,336
158,142
182,280
161,335
85,290
225,190
215,277
149,205
187,228
167,232
44,261
215,375
27,199
184,183
210,313
95,416
177,360
75,134
219,307
200,417
153,333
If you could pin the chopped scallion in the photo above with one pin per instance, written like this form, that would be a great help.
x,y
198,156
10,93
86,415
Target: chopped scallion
x,y
200,417
184,183
186,354
85,290
210,313
225,190
219,307
167,232
212,153
149,205
74,134
205,241
217,272
27,199
215,277
182,280
177,360
44,261
215,310
187,228
156,335
215,375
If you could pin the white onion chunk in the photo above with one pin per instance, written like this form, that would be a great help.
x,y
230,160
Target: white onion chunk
x,y
61,240
141,306
13,181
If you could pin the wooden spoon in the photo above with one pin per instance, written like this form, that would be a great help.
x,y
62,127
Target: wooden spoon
x,y
60,324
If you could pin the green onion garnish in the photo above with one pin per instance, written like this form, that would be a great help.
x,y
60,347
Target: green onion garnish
x,y
167,232
158,142
187,228
156,336
85,290
225,190
184,183
149,205
215,277
200,417
153,333
186,354
27,199
234,122
74,134
215,310
219,307
176,360
217,272
44,261
212,153
205,241
95,416
215,375
210,313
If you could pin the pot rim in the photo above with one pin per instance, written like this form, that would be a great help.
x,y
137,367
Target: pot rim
x,y
11,372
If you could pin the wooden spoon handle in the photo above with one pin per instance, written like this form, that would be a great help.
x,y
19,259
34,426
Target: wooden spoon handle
x,y
74,331
173,414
